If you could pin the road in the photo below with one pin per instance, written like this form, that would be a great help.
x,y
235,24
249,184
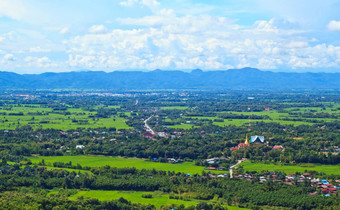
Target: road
x,y
148,128
231,167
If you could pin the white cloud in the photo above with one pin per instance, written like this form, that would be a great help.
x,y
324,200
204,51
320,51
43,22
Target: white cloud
x,y
307,12
64,30
149,3
334,25
38,50
153,5
206,42
8,58
14,9
297,44
128,3
41,62
98,29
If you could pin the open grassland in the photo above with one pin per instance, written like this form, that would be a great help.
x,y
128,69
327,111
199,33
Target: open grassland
x,y
158,199
182,126
275,117
72,118
119,162
288,169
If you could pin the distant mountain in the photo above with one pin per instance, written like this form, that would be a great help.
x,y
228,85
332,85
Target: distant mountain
x,y
230,79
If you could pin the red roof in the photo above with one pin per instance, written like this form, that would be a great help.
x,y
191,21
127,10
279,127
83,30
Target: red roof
x,y
278,147
243,145
147,134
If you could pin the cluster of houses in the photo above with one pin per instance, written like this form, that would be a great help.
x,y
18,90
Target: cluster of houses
x,y
151,136
325,187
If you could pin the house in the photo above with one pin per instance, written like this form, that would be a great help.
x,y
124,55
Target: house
x,y
162,134
213,160
239,146
307,174
291,176
148,135
80,147
315,180
212,168
173,160
324,181
313,193
278,147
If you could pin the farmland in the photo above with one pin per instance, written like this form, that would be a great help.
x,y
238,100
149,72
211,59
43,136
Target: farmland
x,y
290,116
38,116
291,169
119,162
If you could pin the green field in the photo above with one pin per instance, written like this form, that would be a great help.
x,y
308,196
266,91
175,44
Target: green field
x,y
41,117
288,169
56,168
182,126
174,107
158,199
119,162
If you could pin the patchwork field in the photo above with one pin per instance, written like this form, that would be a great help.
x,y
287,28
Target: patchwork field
x,y
327,169
119,162
72,118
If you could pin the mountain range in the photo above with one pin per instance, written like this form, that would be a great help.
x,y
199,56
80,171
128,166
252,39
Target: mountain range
x,y
246,78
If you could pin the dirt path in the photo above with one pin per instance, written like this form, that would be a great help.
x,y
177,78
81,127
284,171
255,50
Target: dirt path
x,y
231,167
148,128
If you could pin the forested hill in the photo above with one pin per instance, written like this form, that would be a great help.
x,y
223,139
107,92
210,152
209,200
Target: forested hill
x,y
197,79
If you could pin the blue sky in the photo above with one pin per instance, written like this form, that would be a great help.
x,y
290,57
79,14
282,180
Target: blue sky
x,y
61,35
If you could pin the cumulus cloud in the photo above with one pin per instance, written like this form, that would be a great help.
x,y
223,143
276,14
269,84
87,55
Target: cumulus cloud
x,y
41,62
334,25
153,5
14,9
206,42
8,58
64,30
98,29
148,3
128,3
38,50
